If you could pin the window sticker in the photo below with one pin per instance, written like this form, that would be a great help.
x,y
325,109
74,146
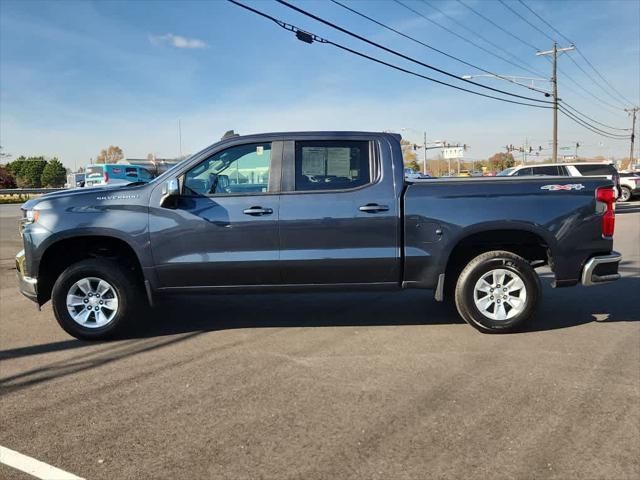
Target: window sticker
x,y
259,150
313,161
339,161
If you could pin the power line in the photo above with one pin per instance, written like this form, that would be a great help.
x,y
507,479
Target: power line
x,y
308,37
408,37
578,49
578,112
525,20
497,47
470,42
487,19
401,55
594,129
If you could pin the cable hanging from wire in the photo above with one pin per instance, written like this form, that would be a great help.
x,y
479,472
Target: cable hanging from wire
x,y
419,42
308,37
577,49
403,56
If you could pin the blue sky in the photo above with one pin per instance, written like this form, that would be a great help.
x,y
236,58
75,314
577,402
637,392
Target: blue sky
x,y
76,77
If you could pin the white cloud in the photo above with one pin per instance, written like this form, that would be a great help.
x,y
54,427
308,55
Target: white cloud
x,y
176,41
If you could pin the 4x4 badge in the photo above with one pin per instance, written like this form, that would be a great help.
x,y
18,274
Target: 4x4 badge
x,y
570,186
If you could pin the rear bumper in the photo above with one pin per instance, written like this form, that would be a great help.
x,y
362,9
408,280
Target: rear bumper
x,y
28,286
601,269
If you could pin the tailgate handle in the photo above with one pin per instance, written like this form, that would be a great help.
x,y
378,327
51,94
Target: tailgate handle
x,y
373,208
257,211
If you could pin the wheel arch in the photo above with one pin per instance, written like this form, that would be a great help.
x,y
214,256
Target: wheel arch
x,y
67,250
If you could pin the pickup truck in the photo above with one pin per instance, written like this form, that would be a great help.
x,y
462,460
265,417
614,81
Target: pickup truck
x,y
313,211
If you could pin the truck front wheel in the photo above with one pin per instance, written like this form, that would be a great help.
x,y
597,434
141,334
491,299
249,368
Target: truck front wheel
x,y
497,292
94,299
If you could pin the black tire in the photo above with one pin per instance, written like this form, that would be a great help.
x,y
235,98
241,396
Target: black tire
x,y
625,194
483,264
130,298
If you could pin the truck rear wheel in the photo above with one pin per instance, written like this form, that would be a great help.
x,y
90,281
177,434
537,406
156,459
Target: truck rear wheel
x,y
94,299
497,292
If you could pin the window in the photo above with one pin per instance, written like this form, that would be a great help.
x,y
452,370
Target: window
x,y
603,169
332,165
547,170
523,171
239,169
131,172
145,174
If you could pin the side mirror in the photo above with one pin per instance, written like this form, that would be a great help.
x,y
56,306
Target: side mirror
x,y
171,188
170,191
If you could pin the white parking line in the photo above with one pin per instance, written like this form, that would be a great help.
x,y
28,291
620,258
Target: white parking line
x,y
33,467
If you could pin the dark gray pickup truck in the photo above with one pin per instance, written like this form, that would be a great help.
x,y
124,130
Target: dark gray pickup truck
x,y
312,211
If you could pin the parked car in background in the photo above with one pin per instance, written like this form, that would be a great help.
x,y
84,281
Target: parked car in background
x,y
629,186
115,174
411,174
578,169
75,180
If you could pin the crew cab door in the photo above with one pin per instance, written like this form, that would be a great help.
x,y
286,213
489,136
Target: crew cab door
x,y
222,230
339,212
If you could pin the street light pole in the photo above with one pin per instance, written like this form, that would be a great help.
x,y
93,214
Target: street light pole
x,y
424,165
554,82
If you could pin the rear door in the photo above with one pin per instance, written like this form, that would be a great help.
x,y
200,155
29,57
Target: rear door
x,y
339,213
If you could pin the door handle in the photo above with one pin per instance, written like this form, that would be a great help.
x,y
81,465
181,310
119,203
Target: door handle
x,y
373,208
257,211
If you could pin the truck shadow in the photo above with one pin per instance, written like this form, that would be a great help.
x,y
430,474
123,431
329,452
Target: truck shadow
x,y
560,308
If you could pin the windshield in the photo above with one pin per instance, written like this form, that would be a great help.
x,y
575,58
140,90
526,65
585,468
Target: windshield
x,y
506,172
95,172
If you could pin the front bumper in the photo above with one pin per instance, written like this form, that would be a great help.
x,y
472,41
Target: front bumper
x,y
601,269
28,286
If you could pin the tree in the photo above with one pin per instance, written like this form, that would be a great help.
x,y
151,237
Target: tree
x,y
6,178
110,155
54,174
413,166
500,161
30,172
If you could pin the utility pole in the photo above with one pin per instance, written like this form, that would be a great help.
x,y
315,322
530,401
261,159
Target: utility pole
x,y
179,139
554,93
632,111
424,165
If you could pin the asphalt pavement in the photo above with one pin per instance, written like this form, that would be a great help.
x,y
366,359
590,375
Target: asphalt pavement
x,y
329,386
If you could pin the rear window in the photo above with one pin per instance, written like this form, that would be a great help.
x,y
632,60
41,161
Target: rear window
x,y
332,165
95,172
596,169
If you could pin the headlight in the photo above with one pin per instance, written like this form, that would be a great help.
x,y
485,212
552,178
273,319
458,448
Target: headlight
x,y
32,216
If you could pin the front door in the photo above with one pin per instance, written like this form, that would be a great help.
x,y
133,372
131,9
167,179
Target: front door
x,y
223,229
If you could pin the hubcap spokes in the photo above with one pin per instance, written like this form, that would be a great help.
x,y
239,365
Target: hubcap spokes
x,y
500,294
92,302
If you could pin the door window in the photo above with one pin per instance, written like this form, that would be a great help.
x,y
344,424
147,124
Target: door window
x,y
523,171
131,172
603,169
236,170
546,170
331,165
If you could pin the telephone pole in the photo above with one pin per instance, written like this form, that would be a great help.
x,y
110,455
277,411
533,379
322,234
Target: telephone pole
x,y
632,111
424,165
554,82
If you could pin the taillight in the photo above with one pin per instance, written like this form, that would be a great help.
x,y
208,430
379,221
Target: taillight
x,y
606,197
106,177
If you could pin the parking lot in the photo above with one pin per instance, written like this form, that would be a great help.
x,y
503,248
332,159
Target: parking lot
x,y
339,385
